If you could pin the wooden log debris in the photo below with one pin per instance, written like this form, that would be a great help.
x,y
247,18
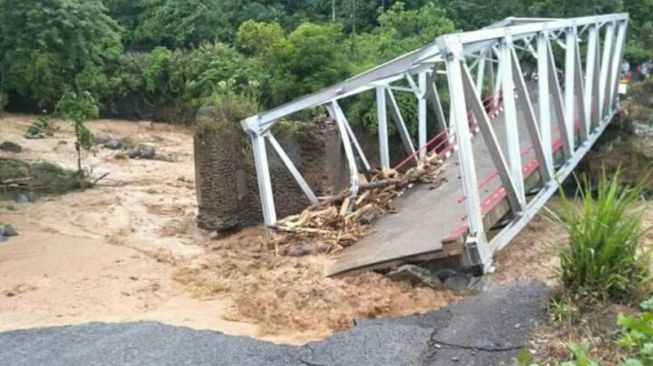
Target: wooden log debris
x,y
341,220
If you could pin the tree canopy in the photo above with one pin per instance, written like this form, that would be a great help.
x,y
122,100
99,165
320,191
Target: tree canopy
x,y
152,58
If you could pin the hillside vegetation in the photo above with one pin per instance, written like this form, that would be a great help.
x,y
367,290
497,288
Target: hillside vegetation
x,y
162,59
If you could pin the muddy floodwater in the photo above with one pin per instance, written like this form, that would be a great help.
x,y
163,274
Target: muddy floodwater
x,y
129,250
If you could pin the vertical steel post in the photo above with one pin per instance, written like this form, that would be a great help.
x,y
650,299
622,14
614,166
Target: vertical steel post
x,y
605,69
510,117
570,78
382,117
497,82
544,96
334,110
454,56
421,113
590,75
480,73
263,179
617,59
579,92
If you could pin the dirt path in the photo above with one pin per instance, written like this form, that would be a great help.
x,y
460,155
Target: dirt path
x,y
130,250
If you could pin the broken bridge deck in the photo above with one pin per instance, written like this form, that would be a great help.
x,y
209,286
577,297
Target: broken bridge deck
x,y
429,220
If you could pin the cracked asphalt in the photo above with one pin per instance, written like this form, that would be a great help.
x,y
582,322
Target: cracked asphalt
x,y
486,329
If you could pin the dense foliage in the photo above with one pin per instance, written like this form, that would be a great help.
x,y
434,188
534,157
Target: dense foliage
x,y
49,47
163,58
603,259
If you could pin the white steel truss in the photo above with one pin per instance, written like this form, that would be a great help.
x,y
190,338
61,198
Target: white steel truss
x,y
484,77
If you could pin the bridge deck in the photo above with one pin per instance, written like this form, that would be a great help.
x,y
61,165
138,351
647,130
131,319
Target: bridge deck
x,y
426,216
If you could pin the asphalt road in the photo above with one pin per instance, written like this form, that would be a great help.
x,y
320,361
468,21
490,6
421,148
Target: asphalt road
x,y
486,329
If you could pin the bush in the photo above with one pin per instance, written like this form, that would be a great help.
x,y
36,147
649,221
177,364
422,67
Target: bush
x,y
4,100
229,108
170,85
602,259
50,47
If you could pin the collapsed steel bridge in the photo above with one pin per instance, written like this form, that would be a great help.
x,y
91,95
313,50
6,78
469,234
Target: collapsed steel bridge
x,y
533,129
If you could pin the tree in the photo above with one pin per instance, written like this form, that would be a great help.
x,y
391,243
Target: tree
x,y
53,46
309,58
173,23
78,107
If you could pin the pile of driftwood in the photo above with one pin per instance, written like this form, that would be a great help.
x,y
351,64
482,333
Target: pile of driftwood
x,y
339,221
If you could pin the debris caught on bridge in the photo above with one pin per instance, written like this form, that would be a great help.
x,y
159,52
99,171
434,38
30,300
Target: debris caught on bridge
x,y
341,220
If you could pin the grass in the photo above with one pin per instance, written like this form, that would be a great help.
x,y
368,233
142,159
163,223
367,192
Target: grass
x,y
42,177
603,259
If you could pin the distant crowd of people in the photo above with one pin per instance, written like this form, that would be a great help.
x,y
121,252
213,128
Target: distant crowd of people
x,y
642,71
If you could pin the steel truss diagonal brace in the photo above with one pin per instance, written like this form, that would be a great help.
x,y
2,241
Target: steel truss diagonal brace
x,y
399,122
554,86
529,118
292,169
491,140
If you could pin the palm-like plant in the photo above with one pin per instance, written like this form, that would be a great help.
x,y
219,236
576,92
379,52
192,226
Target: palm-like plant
x,y
603,259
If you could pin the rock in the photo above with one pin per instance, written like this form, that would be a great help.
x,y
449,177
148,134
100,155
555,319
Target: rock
x,y
62,142
2,238
147,151
112,144
10,208
299,250
414,273
143,151
11,147
134,153
22,198
34,135
101,137
9,230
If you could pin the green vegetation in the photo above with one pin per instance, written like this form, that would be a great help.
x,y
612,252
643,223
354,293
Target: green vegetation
x,y
603,259
603,271
162,59
44,124
78,108
17,176
633,342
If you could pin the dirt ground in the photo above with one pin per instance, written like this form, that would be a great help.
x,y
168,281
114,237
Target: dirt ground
x,y
129,250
